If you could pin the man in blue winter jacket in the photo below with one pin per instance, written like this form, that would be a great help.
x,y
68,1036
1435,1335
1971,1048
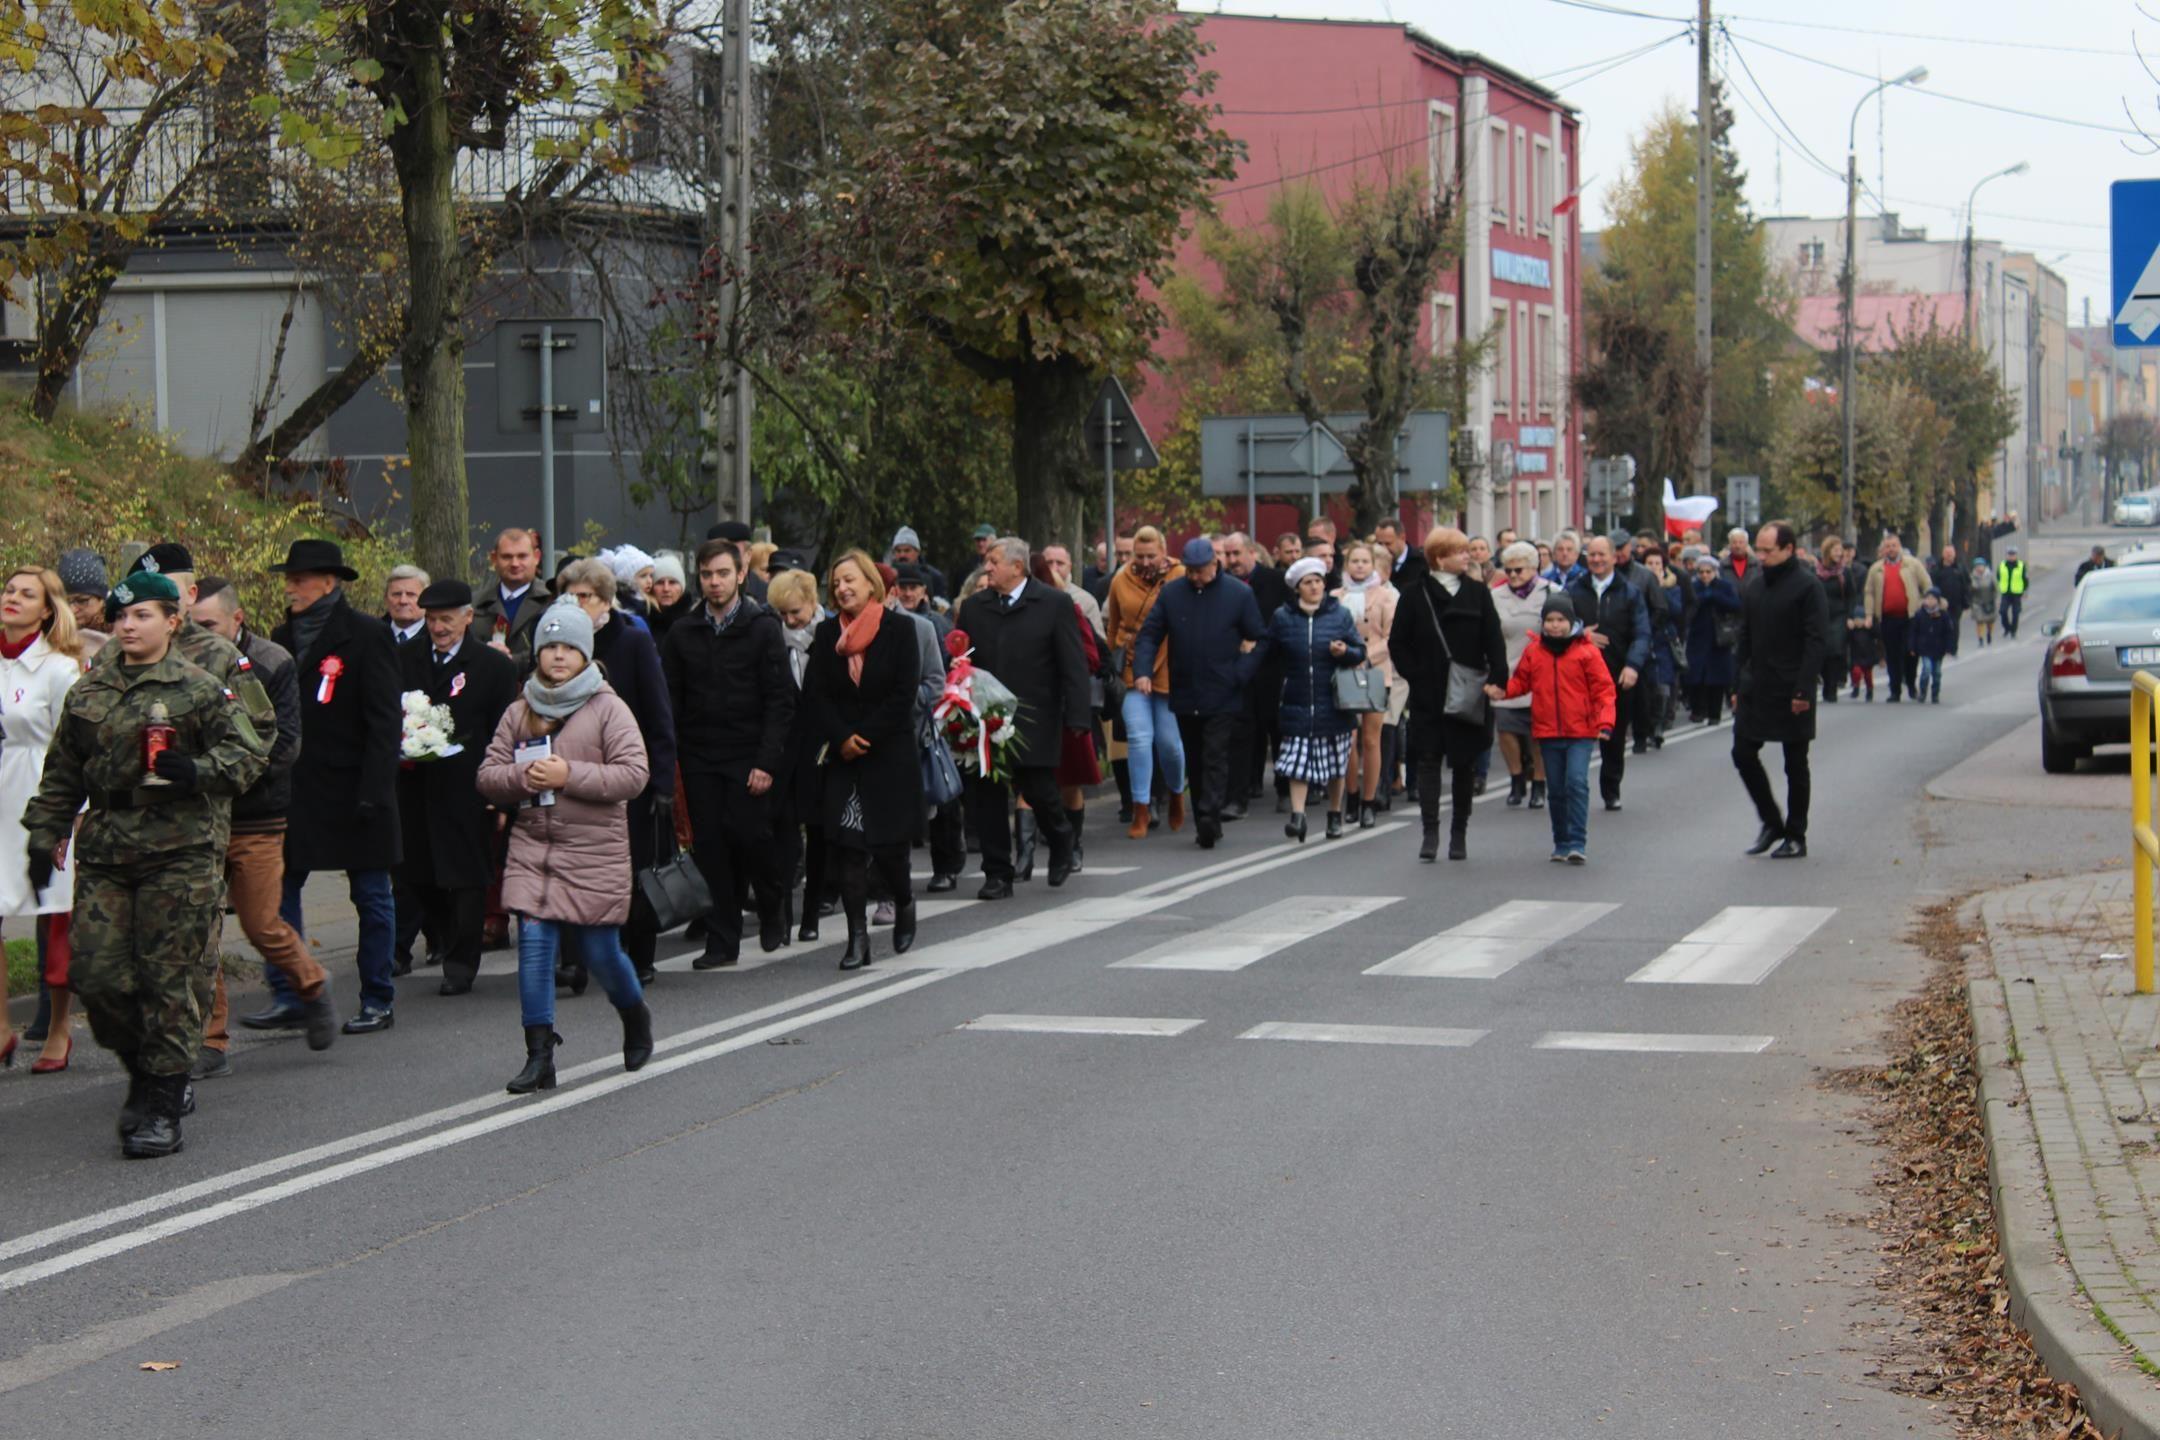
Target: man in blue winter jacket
x,y
1211,618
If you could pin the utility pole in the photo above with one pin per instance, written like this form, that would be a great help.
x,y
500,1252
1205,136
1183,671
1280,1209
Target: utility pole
x,y
1705,126
732,412
1847,282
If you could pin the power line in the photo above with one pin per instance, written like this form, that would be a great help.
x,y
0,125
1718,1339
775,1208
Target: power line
x,y
1944,39
1943,95
1792,134
1599,8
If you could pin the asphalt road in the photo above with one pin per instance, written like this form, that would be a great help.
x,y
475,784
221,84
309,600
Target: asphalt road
x,y
1568,1169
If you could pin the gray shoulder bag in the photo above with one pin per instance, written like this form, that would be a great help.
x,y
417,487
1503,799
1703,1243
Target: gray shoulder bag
x,y
1465,691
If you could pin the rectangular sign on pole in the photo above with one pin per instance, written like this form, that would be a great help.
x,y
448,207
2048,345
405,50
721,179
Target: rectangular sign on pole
x,y
1252,455
2134,244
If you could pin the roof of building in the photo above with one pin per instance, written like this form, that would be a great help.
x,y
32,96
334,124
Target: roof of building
x,y
1879,321
1470,59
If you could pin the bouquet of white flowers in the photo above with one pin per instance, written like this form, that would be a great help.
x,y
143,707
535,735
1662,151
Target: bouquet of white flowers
x,y
427,729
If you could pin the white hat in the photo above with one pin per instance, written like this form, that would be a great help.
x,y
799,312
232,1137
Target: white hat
x,y
626,561
1310,565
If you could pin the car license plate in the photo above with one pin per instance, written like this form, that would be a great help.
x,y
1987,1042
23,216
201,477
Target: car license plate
x,y
2141,655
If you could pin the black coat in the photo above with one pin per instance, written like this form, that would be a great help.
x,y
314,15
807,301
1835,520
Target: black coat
x,y
344,813
449,831
1783,621
261,808
1033,648
733,694
1955,584
1404,577
662,618
1269,592
1206,629
888,777
1621,615
631,661
1842,599
1470,624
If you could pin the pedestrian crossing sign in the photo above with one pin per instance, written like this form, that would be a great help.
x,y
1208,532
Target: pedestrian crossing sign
x,y
2134,241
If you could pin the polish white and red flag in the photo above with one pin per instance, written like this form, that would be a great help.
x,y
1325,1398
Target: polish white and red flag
x,y
1690,513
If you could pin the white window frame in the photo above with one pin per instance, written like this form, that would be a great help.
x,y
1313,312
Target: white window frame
x,y
1541,184
1498,168
1442,319
1545,333
1503,365
1442,138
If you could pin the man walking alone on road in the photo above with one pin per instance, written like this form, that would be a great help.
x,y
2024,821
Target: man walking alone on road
x,y
1784,624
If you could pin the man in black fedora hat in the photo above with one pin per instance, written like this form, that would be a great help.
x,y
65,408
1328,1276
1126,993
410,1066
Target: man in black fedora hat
x,y
448,830
344,785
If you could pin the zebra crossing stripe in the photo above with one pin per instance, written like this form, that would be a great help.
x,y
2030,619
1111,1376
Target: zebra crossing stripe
x,y
1363,1034
1650,1044
1258,935
1082,1024
1489,945
1739,945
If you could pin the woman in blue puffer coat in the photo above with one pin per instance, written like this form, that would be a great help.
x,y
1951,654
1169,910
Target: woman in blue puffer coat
x,y
1314,636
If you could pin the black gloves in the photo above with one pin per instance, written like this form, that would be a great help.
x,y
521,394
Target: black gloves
x,y
179,769
41,868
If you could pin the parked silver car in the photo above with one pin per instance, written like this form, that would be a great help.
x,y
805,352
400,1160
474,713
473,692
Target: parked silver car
x,y
2139,508
2112,630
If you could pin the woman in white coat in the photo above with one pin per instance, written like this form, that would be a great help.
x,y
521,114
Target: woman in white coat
x,y
40,660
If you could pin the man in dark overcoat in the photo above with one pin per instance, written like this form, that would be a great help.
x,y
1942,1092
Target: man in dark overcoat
x,y
1784,628
449,831
1026,634
344,812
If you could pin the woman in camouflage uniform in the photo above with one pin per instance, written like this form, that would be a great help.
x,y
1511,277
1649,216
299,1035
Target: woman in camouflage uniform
x,y
150,856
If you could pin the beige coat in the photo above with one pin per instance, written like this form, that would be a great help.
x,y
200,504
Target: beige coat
x,y
1916,585
1130,601
570,861
1373,621
1520,623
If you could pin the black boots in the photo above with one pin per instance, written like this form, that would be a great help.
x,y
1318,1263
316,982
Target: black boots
x,y
1294,827
636,1041
164,1100
808,931
1467,786
1517,787
137,1104
1334,824
539,1071
903,926
858,949
1368,814
1428,801
1024,856
1390,747
1076,818
1537,794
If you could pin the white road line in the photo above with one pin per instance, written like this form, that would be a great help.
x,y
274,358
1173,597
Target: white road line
x,y
1082,1024
1737,946
1363,1034
299,1159
1653,1044
1020,936
1257,935
1487,946
531,1109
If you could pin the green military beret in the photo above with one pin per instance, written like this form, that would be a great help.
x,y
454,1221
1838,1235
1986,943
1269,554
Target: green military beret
x,y
142,585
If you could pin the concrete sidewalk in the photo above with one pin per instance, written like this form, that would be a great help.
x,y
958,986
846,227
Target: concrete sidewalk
x,y
2070,1085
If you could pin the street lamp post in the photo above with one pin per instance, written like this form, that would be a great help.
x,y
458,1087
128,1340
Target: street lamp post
x,y
1852,193
1972,198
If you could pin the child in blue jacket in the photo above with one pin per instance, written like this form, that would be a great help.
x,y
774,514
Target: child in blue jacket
x,y
1931,636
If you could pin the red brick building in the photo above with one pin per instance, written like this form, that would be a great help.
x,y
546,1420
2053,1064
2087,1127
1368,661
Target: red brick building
x,y
1329,102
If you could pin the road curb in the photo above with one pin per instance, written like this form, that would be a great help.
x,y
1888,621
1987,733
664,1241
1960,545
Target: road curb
x,y
2043,1294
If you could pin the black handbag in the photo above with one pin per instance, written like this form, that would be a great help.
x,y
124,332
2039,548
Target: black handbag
x,y
1465,687
673,892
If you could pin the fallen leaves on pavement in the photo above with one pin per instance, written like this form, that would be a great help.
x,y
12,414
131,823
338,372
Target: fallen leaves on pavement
x,y
1941,1264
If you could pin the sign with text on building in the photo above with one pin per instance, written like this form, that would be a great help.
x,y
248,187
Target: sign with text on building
x,y
1541,437
2134,244
1531,270
1532,462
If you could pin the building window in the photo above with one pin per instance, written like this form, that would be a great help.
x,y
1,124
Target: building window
x,y
1497,166
1440,143
1811,254
1523,192
1442,320
1503,362
1525,362
1547,360
1541,185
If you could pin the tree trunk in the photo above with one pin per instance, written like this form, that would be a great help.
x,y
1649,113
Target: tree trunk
x,y
1372,494
1051,474
434,345
1965,528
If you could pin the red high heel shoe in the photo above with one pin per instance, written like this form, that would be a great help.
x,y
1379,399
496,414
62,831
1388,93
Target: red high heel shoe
x,y
43,1066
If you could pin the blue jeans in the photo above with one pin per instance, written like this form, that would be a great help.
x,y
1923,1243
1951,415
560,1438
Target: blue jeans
x,y
1929,682
1151,741
597,947
1567,788
376,904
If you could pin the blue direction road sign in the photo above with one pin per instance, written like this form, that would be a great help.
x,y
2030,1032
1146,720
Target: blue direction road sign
x,y
2134,220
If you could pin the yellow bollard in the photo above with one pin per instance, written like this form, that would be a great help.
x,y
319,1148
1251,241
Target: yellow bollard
x,y
2145,849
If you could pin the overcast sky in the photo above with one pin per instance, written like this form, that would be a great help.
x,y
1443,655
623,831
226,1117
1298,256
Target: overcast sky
x,y
1932,149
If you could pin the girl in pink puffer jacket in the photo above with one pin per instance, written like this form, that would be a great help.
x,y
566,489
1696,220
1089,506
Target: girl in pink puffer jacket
x,y
568,873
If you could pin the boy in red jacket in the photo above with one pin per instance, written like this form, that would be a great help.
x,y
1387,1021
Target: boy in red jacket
x,y
1571,709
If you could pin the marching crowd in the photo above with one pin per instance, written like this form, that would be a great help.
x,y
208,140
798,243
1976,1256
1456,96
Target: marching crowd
x,y
648,741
